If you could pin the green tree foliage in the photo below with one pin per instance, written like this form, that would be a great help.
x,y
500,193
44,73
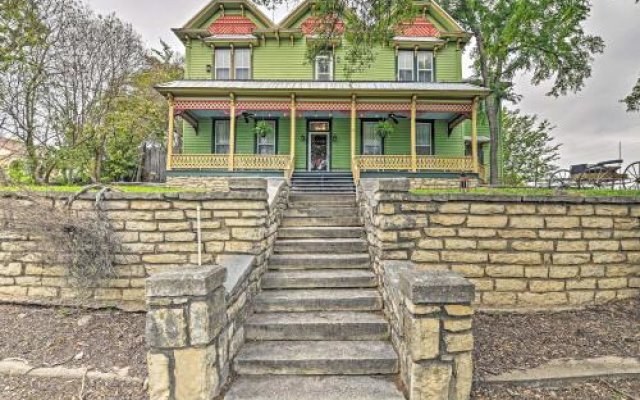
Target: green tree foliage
x,y
529,149
633,100
20,28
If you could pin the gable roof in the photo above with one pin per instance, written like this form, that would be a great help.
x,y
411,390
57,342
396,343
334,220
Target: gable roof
x,y
210,9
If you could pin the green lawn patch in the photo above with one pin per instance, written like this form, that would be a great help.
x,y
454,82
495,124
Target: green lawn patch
x,y
122,188
532,192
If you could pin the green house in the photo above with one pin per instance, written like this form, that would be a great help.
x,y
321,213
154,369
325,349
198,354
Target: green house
x,y
253,103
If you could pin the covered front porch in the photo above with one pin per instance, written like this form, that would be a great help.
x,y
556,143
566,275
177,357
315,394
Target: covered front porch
x,y
246,133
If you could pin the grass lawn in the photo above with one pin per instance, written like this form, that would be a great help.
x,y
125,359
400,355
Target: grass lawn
x,y
122,188
532,192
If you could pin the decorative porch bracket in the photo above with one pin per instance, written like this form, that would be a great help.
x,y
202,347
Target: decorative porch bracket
x,y
431,317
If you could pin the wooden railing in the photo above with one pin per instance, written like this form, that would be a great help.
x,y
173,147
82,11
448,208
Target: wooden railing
x,y
247,162
403,163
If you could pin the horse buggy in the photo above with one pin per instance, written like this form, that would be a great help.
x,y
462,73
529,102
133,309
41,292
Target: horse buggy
x,y
606,174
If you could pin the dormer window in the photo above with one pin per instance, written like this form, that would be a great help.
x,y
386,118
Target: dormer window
x,y
415,66
324,67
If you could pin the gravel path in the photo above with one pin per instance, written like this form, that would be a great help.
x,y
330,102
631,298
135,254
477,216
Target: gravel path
x,y
515,341
107,340
22,388
593,390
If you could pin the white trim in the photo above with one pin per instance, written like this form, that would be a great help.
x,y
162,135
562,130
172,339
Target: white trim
x,y
329,57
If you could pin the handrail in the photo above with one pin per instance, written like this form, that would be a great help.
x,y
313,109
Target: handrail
x,y
241,161
403,163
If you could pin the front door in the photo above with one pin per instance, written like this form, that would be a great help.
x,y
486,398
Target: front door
x,y
319,146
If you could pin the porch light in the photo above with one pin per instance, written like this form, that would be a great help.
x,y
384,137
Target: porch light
x,y
303,138
208,68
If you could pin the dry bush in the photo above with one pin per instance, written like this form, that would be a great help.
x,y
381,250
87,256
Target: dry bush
x,y
81,240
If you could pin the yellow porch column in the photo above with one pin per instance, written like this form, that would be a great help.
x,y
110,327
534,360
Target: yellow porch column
x,y
414,112
232,133
293,128
474,135
354,116
170,133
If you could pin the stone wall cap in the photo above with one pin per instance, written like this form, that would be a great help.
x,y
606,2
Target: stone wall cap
x,y
391,185
188,281
435,287
446,197
238,270
248,183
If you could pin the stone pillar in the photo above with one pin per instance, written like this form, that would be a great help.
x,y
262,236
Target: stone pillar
x,y
436,353
186,314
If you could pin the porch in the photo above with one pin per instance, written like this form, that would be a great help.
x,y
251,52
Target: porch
x,y
326,134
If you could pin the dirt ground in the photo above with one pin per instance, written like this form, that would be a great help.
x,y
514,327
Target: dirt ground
x,y
113,341
513,341
107,340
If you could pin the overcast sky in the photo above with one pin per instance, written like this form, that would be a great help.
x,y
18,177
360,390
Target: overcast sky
x,y
590,124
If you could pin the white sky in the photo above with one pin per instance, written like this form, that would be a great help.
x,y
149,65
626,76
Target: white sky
x,y
591,124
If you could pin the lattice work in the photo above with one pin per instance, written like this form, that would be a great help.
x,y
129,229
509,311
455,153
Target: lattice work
x,y
452,108
182,105
445,164
262,162
323,106
200,161
391,163
388,107
264,105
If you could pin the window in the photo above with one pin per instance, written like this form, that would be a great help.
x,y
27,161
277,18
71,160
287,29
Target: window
x,y
425,66
222,130
242,64
424,145
371,142
223,63
405,66
324,67
415,66
267,145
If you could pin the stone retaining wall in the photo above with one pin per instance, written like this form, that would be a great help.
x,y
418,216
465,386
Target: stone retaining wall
x,y
441,183
158,234
520,252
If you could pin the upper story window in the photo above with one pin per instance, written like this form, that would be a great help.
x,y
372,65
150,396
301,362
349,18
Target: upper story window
x,y
223,63
233,64
415,66
242,64
324,67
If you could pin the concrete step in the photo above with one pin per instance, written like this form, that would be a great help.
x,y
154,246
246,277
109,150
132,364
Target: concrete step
x,y
319,261
330,221
316,358
314,388
315,198
310,205
320,232
317,326
311,279
318,300
326,188
334,246
321,212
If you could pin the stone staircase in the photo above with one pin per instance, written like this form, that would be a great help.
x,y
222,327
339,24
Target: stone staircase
x,y
318,331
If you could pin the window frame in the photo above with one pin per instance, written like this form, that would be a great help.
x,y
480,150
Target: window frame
x,y
432,70
413,66
431,123
415,72
363,122
214,142
316,73
216,59
276,131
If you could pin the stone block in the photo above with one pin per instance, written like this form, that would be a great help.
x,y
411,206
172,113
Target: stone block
x,y
468,270
496,221
435,287
546,286
581,210
532,245
464,257
581,297
571,246
425,256
196,374
536,272
562,222
518,234
206,318
170,215
552,209
460,244
156,237
510,285
581,284
166,328
458,310
440,232
487,209
463,377
571,259
447,219
431,244
542,299
402,221
476,233
11,269
505,271
159,376
563,272
458,325
588,271
458,342
429,380
165,258
248,233
482,285
141,226
613,210
391,185
424,337
186,282
454,208
492,245
597,222
499,299
516,209
612,283
609,258
519,258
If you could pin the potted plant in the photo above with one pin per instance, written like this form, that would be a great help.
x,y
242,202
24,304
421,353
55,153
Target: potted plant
x,y
384,129
263,129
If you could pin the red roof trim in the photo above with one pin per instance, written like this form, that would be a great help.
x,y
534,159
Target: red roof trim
x,y
232,25
316,25
420,27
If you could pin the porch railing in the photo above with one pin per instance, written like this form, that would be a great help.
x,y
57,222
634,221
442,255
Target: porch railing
x,y
403,163
247,162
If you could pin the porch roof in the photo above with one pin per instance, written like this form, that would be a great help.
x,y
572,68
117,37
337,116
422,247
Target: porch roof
x,y
262,88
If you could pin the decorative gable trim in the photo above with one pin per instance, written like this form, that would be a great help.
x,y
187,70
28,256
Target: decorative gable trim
x,y
420,27
232,25
214,6
318,26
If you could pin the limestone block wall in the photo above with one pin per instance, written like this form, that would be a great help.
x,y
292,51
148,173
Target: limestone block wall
x,y
157,234
441,183
520,252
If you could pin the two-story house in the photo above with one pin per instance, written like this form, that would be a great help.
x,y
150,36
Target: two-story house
x,y
253,103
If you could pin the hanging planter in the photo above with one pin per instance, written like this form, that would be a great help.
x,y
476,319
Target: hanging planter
x,y
263,129
384,129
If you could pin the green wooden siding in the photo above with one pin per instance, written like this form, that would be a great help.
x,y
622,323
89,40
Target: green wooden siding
x,y
449,64
281,61
199,55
